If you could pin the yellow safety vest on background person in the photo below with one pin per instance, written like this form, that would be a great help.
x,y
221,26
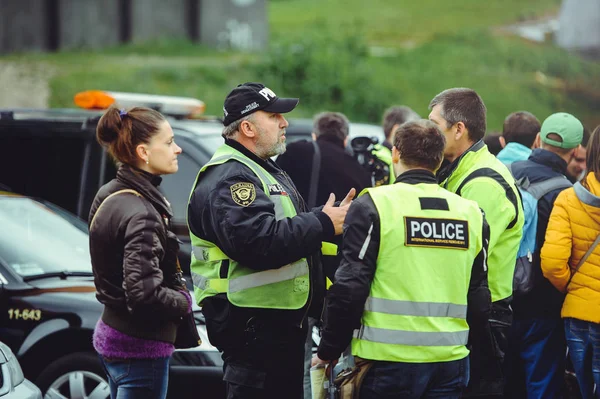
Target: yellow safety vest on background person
x,y
417,307
385,155
284,288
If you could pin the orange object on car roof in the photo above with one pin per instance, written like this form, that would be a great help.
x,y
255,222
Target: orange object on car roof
x,y
184,107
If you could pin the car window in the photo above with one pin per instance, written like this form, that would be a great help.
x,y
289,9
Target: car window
x,y
34,239
177,187
208,142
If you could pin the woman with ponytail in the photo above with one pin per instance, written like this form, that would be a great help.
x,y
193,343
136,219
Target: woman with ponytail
x,y
134,255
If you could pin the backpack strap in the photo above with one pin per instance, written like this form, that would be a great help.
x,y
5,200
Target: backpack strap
x,y
127,190
491,173
538,190
314,176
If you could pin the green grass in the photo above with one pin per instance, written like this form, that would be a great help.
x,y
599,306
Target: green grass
x,y
320,51
394,22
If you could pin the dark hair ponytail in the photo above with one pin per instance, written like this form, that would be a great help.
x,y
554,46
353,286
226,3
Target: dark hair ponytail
x,y
120,131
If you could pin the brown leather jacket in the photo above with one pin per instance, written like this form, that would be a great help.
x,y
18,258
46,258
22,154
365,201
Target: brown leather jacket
x,y
134,257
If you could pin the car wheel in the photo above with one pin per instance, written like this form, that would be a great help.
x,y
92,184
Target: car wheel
x,y
78,375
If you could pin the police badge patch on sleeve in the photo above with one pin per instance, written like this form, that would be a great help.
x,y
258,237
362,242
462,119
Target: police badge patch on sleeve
x,y
243,193
432,232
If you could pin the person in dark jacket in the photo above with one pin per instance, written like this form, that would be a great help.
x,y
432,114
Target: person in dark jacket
x,y
339,171
256,246
408,293
134,255
536,352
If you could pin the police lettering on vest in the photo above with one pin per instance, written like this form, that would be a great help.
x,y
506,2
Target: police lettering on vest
x,y
430,232
276,189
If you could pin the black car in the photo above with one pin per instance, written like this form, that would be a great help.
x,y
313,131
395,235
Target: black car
x,y
49,308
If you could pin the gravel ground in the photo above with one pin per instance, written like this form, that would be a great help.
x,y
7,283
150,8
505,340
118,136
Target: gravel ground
x,y
23,85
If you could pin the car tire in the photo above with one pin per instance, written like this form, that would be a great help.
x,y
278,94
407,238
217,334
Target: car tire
x,y
79,372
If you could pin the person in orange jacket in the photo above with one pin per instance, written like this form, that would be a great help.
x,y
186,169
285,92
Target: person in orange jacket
x,y
573,231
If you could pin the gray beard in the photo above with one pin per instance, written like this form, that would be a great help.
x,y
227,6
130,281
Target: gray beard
x,y
277,149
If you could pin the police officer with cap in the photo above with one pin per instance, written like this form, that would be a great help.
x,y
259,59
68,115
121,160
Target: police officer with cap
x,y
411,290
256,249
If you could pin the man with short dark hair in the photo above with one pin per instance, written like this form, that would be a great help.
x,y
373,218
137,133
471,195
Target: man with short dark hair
x,y
475,174
518,138
339,171
256,249
412,284
392,119
536,354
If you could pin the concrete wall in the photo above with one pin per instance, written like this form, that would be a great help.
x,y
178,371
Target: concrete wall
x,y
153,19
22,26
27,25
88,23
579,25
238,24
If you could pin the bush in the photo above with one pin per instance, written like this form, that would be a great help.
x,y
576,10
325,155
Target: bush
x,y
327,72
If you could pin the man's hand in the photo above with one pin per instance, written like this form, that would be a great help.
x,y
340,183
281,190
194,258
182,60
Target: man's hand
x,y
349,197
337,214
329,365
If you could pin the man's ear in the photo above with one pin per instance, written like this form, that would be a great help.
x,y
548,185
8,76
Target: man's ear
x,y
247,129
314,136
502,141
537,143
461,130
395,155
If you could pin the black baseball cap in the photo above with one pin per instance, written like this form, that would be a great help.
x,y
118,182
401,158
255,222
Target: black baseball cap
x,y
251,97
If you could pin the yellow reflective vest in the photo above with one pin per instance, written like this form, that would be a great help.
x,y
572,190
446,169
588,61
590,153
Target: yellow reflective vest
x,y
417,306
287,287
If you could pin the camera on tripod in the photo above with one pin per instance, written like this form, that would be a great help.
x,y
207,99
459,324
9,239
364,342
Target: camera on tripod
x,y
363,149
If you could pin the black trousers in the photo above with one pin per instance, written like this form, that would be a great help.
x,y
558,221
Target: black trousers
x,y
263,355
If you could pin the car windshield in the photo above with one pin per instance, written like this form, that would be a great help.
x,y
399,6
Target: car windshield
x,y
35,239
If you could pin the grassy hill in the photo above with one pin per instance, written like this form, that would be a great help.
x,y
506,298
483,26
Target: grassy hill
x,y
356,57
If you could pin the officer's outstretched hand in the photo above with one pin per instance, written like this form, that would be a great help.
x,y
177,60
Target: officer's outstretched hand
x,y
337,214
349,197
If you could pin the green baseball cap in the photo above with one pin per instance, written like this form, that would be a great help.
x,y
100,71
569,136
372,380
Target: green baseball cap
x,y
566,126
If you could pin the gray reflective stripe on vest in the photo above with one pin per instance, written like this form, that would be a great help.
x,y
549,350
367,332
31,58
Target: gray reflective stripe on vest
x,y
258,279
199,253
408,308
276,199
199,281
412,338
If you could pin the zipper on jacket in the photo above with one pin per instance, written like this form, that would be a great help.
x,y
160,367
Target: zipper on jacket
x,y
310,291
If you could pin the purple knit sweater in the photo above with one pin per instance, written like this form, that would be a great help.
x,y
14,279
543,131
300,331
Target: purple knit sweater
x,y
111,343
